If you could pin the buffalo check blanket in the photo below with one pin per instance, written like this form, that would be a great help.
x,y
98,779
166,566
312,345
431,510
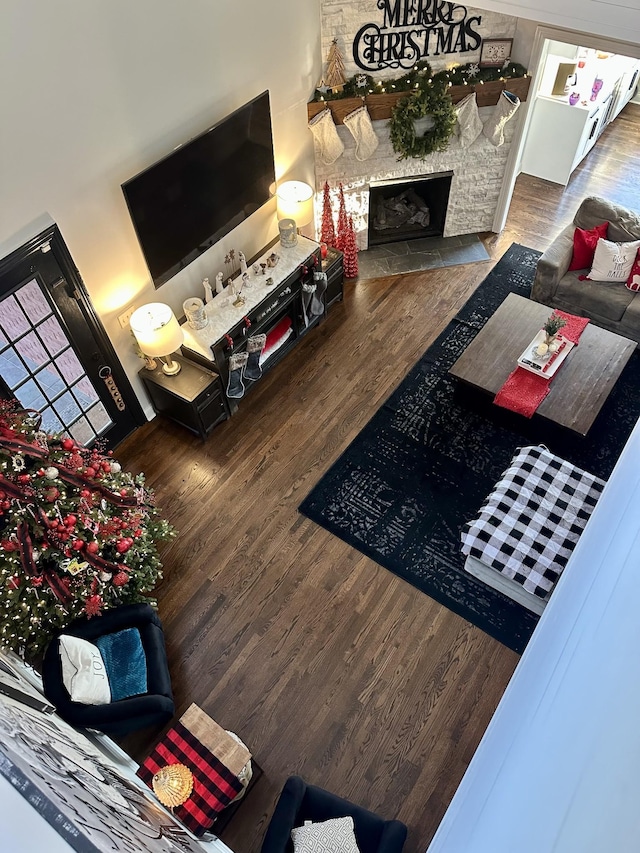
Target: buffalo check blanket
x,y
214,785
532,520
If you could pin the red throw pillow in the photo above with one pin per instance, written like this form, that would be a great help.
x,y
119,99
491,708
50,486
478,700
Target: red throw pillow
x,y
584,246
633,282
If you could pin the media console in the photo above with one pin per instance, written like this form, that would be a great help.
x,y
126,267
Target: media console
x,y
275,310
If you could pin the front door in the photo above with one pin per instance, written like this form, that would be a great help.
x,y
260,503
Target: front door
x,y
54,353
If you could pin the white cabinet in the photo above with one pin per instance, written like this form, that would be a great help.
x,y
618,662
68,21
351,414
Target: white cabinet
x,y
558,139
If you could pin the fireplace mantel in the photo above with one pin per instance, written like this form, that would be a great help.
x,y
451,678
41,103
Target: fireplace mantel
x,y
381,106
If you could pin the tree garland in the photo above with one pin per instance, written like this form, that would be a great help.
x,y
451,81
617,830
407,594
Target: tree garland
x,y
470,74
77,534
431,100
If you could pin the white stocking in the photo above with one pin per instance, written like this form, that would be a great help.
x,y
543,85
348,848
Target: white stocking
x,y
359,124
469,122
494,126
329,144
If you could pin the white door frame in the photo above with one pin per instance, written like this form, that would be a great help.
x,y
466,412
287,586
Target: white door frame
x,y
538,54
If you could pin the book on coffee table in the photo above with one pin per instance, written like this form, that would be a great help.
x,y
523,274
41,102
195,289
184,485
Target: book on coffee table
x,y
548,365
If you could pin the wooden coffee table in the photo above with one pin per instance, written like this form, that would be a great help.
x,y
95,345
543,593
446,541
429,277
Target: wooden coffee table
x,y
582,383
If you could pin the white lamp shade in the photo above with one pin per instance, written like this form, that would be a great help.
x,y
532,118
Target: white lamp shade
x,y
295,201
156,329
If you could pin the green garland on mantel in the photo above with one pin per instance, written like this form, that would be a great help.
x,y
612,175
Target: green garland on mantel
x,y
420,75
431,100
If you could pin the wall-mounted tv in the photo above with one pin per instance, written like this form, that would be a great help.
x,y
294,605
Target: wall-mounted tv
x,y
186,202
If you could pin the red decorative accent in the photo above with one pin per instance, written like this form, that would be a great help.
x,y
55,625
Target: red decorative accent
x,y
328,231
343,222
350,259
229,340
247,322
93,606
524,391
584,246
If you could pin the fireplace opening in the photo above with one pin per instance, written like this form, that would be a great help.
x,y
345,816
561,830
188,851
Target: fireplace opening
x,y
408,209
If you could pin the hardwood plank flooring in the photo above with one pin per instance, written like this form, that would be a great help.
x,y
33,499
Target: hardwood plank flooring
x,y
323,662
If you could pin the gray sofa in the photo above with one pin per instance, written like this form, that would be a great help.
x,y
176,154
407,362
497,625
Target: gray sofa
x,y
608,304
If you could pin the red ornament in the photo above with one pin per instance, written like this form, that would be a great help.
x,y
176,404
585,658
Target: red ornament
x,y
92,547
123,493
70,520
24,478
68,443
77,544
8,545
90,472
52,494
85,493
93,605
6,504
36,581
120,579
14,582
123,545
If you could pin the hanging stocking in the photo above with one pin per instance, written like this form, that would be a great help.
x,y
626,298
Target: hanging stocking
x,y
237,363
469,122
325,135
359,124
255,345
494,126
317,300
307,295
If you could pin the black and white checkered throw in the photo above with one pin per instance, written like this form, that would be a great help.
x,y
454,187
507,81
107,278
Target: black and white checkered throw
x,y
532,520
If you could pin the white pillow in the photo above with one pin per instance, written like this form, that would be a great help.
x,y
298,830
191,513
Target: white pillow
x,y
613,261
330,836
83,671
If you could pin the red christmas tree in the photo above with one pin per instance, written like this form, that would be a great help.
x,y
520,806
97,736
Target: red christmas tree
x,y
328,232
343,223
350,252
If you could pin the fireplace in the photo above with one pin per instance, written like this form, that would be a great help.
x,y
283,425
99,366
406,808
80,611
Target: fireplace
x,y
408,208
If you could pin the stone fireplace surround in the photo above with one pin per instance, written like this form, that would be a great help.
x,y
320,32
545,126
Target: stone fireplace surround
x,y
478,173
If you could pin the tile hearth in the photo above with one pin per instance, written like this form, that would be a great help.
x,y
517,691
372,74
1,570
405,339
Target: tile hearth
x,y
416,255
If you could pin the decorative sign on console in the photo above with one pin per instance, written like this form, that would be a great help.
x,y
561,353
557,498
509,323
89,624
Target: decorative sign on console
x,y
412,31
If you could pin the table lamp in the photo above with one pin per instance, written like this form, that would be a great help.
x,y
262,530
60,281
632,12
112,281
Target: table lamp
x,y
158,334
295,201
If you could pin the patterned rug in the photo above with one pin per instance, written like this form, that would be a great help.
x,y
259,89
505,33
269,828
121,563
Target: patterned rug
x,y
422,466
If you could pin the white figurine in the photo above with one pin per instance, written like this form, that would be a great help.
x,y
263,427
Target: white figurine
x,y
208,293
219,284
243,262
245,279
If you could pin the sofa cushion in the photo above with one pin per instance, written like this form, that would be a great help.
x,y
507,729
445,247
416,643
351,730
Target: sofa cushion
x,y
633,282
624,224
584,246
609,299
613,261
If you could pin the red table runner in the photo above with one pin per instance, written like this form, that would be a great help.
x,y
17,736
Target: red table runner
x,y
214,785
524,391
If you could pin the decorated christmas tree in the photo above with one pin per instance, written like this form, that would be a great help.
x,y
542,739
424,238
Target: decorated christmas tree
x,y
350,252
328,231
77,534
334,76
343,223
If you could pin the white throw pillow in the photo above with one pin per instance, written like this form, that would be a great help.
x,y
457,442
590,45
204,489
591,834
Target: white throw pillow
x,y
330,836
83,671
613,261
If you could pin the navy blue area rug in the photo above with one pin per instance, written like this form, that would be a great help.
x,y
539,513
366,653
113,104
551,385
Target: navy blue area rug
x,y
424,463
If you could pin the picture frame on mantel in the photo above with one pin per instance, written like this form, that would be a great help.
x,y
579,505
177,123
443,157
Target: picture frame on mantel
x,y
495,52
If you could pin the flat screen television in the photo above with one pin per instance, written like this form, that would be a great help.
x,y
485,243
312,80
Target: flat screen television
x,y
186,202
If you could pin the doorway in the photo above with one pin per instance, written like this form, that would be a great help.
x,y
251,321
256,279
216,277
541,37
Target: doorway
x,y
55,356
545,35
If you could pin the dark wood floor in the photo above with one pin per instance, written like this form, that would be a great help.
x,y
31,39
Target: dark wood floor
x,y
323,662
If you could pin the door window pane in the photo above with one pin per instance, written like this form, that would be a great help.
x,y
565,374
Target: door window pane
x,y
33,353
12,318
82,432
70,367
67,408
50,381
12,369
85,393
99,418
53,335
50,421
30,396
34,302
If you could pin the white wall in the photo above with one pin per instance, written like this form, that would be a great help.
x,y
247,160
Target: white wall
x,y
95,91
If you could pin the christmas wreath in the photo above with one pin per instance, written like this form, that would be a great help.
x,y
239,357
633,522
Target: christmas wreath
x,y
77,534
431,100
